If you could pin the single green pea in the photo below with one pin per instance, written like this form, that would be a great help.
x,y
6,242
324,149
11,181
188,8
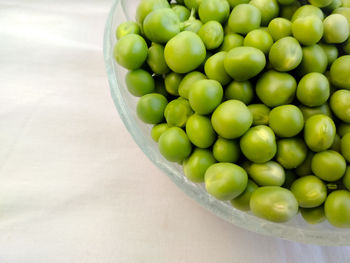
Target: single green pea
x,y
340,104
184,52
234,3
225,181
212,34
158,130
269,9
260,114
308,10
231,41
336,29
291,152
226,151
336,144
274,203
309,112
314,60
340,69
172,82
139,82
147,6
197,164
309,191
343,11
177,112
231,119
314,215
192,4
337,208
242,91
127,28
214,10
287,11
156,60
205,95
343,128
345,146
276,88
242,202
214,68
192,25
174,145
285,54
200,131
131,51
279,28
244,18
328,165
290,178
305,168
258,144
313,89
319,132
182,12
320,3
150,108
187,81
346,178
331,52
243,63
267,174
260,39
308,30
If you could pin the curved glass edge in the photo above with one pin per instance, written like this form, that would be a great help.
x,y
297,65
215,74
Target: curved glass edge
x,y
221,209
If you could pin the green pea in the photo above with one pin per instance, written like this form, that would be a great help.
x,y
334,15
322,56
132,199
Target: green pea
x,y
158,130
340,69
200,131
174,145
340,104
337,208
328,165
286,120
279,28
184,52
309,112
274,203
182,12
212,34
305,168
260,39
343,128
160,86
244,18
309,191
287,11
346,178
269,9
225,181
231,119
320,3
313,215
214,10
127,28
131,51
276,88
177,112
258,144
336,29
139,82
308,30
226,151
192,25
243,63
187,81
242,91
346,3
285,54
172,82
234,3
319,132
313,89
314,60
150,108
260,114
267,174
291,152
205,95
192,4
345,146
197,164
343,11
156,60
242,201
147,6
336,144
290,178
308,10
214,68
331,52
231,41
335,4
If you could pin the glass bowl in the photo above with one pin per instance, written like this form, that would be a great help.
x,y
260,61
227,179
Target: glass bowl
x,y
296,229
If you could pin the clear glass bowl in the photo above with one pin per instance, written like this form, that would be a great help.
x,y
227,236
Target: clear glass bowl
x,y
295,230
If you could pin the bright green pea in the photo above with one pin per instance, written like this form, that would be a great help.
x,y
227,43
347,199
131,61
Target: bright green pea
x,y
345,146
340,104
314,60
279,28
225,181
214,10
242,201
320,3
290,178
139,82
267,174
234,3
197,164
343,128
291,152
287,11
343,11
174,145
243,63
274,203
260,114
231,119
313,215
150,108
156,60
226,151
214,68
244,18
337,208
276,88
187,81
308,30
260,39
182,12
212,34
242,91
172,82
192,4
309,191
158,130
205,95
313,89
340,69
309,112
328,165
131,51
319,132
331,52
308,10
200,131
192,25
346,178
258,144
184,52
231,41
305,168
147,6
336,29
127,28
177,112
269,9
285,54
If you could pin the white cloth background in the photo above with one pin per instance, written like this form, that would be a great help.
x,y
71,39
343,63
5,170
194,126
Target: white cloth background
x,y
74,187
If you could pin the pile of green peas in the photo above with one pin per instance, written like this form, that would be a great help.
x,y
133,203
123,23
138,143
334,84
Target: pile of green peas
x,y
251,97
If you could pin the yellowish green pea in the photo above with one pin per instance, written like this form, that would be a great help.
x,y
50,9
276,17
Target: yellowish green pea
x,y
242,202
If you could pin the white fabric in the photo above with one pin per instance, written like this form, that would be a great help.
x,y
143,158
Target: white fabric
x,y
74,187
